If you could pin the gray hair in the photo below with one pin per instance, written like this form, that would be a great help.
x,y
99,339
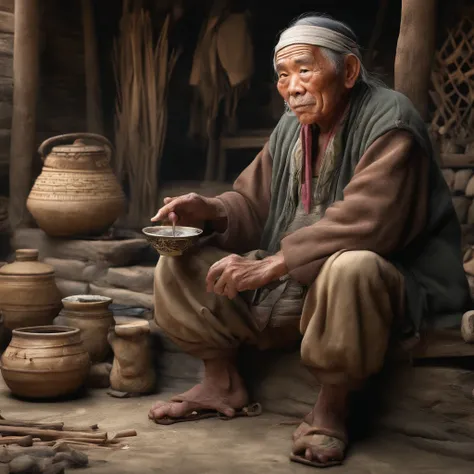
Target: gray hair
x,y
337,57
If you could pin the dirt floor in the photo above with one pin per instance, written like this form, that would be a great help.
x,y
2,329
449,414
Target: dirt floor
x,y
247,446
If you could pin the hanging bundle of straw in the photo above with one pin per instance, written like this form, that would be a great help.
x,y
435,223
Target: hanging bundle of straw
x,y
142,72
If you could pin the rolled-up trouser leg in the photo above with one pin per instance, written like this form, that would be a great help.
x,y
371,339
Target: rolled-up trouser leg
x,y
202,324
347,316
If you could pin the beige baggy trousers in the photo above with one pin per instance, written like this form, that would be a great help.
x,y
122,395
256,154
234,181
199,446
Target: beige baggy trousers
x,y
345,323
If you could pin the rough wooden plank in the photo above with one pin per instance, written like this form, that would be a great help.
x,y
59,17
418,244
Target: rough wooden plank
x,y
6,112
446,343
6,66
7,22
6,90
6,44
4,146
5,140
128,251
7,5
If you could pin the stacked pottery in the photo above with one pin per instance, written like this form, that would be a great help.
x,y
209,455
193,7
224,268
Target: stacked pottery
x,y
45,361
28,292
77,192
90,314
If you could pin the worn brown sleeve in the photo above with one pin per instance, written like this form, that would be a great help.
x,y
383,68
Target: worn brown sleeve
x,y
384,208
247,206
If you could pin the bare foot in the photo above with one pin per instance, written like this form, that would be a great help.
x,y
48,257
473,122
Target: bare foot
x,y
322,437
222,390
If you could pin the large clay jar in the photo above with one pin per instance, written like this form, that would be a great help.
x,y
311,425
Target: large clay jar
x,y
91,315
45,362
77,192
28,292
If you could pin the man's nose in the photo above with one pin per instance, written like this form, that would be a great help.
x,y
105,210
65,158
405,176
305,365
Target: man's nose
x,y
295,87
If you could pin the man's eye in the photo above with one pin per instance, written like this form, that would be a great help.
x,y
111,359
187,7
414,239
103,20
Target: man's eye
x,y
302,71
282,75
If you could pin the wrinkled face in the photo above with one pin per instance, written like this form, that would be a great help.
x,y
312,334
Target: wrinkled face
x,y
309,83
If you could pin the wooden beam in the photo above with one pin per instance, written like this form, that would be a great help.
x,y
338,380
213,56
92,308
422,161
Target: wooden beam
x,y
91,65
7,22
415,51
443,343
25,90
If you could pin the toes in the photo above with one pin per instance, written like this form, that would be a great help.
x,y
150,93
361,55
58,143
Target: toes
x,y
158,404
227,411
167,409
321,449
177,409
156,407
323,458
311,455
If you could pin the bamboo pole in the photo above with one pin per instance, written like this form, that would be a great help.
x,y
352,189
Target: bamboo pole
x,y
25,92
95,123
415,51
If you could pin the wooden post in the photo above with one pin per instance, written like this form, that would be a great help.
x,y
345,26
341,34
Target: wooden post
x,y
91,64
25,92
415,50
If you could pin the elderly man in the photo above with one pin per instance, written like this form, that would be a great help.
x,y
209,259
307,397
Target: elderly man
x,y
356,236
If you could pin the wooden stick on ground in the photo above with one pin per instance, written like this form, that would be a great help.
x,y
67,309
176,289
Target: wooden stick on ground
x,y
32,424
101,442
124,434
50,434
19,440
48,425
83,445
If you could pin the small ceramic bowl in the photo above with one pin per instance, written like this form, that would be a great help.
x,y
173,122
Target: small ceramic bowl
x,y
162,240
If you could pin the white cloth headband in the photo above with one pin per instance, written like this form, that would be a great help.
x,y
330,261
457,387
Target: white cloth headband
x,y
317,36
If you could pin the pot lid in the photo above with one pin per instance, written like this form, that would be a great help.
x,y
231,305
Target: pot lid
x,y
26,263
78,147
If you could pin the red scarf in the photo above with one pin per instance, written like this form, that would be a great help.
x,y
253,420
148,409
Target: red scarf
x,y
307,147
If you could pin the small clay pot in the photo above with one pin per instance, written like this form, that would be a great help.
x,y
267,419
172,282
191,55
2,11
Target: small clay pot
x,y
28,292
132,370
45,362
91,315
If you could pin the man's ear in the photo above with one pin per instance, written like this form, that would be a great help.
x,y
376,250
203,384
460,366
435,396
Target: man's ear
x,y
352,70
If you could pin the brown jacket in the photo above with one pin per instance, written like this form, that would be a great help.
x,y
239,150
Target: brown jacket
x,y
384,205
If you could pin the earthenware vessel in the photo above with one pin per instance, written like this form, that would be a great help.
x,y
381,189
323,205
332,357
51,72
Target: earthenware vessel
x,y
45,361
77,192
28,292
91,315
132,372
169,242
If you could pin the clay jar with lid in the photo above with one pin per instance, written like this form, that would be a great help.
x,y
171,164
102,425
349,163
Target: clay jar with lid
x,y
28,292
90,314
77,193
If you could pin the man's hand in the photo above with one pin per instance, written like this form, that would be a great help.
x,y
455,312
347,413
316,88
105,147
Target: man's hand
x,y
234,274
191,209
